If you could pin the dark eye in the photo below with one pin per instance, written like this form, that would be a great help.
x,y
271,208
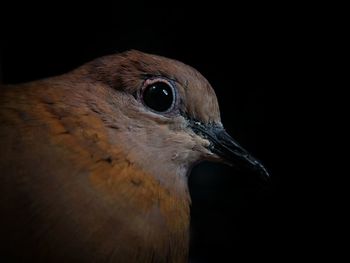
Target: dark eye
x,y
158,95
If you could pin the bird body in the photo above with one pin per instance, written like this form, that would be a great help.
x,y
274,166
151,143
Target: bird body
x,y
89,173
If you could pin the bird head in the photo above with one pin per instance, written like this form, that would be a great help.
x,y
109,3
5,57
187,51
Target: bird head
x,y
163,114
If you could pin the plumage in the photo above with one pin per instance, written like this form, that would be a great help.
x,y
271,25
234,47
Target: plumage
x,y
89,174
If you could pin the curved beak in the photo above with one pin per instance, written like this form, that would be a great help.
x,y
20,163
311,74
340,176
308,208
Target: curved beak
x,y
227,149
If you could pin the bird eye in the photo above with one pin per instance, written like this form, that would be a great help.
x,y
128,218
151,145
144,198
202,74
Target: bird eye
x,y
158,95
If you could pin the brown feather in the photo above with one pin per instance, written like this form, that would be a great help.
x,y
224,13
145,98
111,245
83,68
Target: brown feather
x,y
82,179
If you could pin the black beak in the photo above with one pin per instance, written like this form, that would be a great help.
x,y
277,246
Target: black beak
x,y
224,146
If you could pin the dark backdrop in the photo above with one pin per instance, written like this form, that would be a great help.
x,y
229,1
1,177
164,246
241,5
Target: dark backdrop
x,y
255,56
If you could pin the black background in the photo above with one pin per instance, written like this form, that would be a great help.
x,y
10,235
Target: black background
x,y
259,58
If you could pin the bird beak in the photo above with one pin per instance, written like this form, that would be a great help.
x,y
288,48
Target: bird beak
x,y
227,149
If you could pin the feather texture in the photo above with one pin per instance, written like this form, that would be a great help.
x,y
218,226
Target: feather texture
x,y
88,175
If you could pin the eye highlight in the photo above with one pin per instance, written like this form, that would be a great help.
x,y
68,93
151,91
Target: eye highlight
x,y
159,95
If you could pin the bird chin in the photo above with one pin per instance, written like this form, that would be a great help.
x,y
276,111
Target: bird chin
x,y
212,157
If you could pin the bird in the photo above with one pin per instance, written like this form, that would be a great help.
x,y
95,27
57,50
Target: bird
x,y
94,162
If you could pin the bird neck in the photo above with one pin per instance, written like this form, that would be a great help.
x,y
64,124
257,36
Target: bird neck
x,y
158,218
